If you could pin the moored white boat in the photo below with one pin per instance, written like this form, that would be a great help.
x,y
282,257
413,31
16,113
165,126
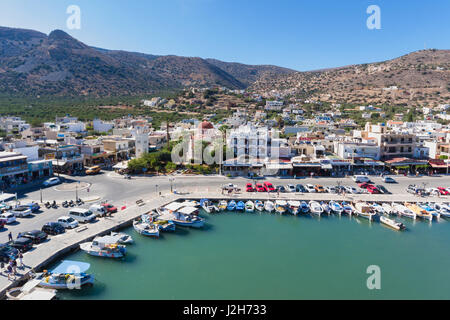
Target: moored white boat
x,y
122,238
259,205
392,223
67,275
315,208
420,212
325,207
348,208
280,206
101,247
208,206
364,210
403,211
387,208
144,226
181,219
269,206
249,206
335,207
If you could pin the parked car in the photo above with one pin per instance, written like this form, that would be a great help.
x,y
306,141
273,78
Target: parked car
x,y
36,236
360,178
33,206
443,191
249,188
433,191
68,222
7,252
349,189
98,210
109,208
300,188
269,187
51,182
8,217
382,189
260,188
231,187
53,228
331,189
93,170
372,189
310,188
387,179
22,244
82,215
319,188
281,189
411,189
21,211
290,188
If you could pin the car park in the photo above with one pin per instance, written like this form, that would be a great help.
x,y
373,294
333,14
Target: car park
x,y
21,211
68,222
22,244
8,217
51,182
310,188
53,228
36,236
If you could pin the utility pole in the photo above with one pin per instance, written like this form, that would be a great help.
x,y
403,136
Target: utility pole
x,y
40,191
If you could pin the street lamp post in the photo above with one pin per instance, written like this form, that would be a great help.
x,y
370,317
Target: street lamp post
x,y
40,191
156,189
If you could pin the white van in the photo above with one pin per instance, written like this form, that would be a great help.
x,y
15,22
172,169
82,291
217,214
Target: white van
x,y
361,179
98,210
82,215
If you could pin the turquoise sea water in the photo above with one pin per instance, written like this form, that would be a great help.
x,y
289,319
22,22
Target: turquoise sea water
x,y
267,256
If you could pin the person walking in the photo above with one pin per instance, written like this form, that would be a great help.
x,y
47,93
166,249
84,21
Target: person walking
x,y
2,266
10,237
9,272
20,258
14,267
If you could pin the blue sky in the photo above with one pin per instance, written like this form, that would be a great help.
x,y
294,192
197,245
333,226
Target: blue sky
x,y
298,34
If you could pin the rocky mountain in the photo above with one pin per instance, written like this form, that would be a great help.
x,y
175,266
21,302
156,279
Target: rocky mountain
x,y
417,79
32,63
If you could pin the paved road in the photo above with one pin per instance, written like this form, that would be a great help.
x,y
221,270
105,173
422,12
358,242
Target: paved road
x,y
122,192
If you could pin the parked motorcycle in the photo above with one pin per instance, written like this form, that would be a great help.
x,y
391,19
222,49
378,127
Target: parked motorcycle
x,y
80,202
54,205
71,203
65,204
48,205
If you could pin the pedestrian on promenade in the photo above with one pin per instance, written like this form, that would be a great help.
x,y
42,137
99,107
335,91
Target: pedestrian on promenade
x,y
20,257
9,272
10,237
14,266
2,266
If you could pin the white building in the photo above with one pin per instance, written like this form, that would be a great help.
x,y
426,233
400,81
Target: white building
x,y
142,142
274,105
101,126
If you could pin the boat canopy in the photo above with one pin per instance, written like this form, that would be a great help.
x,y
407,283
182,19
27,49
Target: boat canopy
x,y
73,267
174,206
187,210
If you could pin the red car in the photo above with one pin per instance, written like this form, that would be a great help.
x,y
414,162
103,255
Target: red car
x,y
260,188
372,189
443,191
364,185
109,208
269,187
249,188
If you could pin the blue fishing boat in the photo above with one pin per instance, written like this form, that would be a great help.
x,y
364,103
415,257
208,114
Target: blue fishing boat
x,y
231,205
304,207
240,206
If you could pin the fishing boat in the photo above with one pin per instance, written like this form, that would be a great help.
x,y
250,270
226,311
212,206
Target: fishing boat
x,y
207,205
348,208
387,209
259,205
182,218
67,275
122,238
104,247
293,207
430,210
269,206
144,226
315,208
223,205
304,207
392,223
249,206
364,210
231,205
420,212
336,207
326,208
378,208
403,211
165,225
240,206
443,209
280,206
191,203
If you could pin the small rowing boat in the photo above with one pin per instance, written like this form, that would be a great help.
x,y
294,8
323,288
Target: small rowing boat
x,y
259,205
304,207
325,207
315,208
231,205
336,207
249,206
223,205
269,206
280,206
144,226
240,206
293,207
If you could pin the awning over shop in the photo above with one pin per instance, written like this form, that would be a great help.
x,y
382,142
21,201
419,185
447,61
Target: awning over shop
x,y
327,166
306,164
279,166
